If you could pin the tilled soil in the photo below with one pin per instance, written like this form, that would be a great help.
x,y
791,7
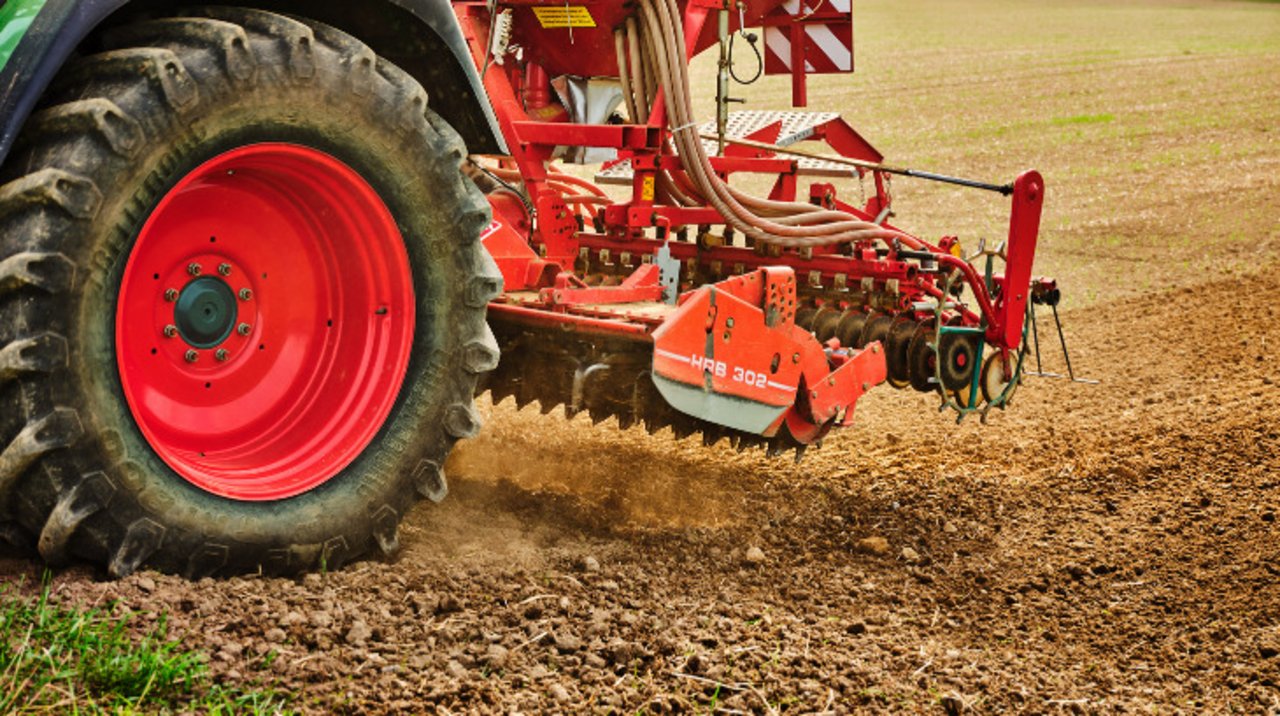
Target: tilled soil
x,y
1096,547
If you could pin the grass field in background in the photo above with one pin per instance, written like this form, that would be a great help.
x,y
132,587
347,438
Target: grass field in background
x,y
1155,125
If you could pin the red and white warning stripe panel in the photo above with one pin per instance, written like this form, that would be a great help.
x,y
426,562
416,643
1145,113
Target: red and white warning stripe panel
x,y
827,35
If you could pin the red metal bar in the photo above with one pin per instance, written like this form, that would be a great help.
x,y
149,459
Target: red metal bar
x,y
1024,227
641,285
600,326
618,136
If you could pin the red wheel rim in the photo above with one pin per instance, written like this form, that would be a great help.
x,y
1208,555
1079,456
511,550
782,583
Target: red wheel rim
x,y
321,321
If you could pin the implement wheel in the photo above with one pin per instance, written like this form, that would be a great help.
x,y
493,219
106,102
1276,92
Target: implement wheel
x,y
241,302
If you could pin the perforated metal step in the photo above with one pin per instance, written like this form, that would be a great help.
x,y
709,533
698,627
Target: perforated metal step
x,y
796,127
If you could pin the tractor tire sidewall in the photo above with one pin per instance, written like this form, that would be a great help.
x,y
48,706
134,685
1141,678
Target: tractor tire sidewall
x,y
412,160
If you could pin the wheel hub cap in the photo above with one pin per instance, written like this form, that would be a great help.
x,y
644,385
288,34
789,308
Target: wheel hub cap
x,y
205,312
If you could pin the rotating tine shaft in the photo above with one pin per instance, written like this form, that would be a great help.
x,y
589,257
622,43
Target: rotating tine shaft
x,y
611,381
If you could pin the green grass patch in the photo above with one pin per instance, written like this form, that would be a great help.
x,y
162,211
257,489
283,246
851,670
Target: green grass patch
x,y
55,659
1083,119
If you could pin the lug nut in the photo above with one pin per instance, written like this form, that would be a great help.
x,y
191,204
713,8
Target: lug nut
x,y
170,331
245,294
171,294
244,329
192,356
193,269
224,269
221,354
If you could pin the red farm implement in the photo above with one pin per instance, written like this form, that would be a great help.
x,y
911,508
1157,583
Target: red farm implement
x,y
688,303
247,255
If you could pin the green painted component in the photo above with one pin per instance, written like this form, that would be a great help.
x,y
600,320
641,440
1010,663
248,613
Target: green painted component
x,y
977,376
15,17
961,329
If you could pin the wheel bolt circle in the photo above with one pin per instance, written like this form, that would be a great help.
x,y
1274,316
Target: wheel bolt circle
x,y
170,331
171,294
192,356
221,354
194,269
245,294
244,329
224,269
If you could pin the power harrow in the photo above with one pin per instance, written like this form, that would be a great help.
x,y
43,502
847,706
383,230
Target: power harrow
x,y
687,303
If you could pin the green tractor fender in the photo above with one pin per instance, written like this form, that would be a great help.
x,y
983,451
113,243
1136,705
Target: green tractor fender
x,y
38,36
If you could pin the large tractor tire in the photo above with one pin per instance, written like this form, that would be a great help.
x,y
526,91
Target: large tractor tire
x,y
242,302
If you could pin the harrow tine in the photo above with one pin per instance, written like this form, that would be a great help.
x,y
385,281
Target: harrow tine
x,y
1062,340
800,448
597,390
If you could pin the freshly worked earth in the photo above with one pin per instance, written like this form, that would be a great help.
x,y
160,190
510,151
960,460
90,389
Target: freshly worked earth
x,y
1110,547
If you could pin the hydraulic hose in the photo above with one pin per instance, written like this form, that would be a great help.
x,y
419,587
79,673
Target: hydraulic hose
x,y
791,224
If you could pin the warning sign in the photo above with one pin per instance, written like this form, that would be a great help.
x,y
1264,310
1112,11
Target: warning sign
x,y
554,16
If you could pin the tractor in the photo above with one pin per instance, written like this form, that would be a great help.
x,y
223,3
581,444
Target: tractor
x,y
257,259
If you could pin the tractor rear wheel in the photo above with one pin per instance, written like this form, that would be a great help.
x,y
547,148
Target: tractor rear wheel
x,y
241,302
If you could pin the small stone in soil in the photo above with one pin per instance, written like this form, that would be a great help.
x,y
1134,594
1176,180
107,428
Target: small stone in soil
x,y
496,656
274,635
755,555
455,670
910,555
878,546
359,633
590,564
559,693
567,643
448,604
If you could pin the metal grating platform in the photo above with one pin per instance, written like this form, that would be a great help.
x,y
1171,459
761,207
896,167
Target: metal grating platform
x,y
796,127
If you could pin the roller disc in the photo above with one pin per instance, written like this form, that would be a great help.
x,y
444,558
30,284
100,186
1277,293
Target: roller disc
x,y
805,316
895,351
876,329
824,323
957,355
994,379
921,360
849,330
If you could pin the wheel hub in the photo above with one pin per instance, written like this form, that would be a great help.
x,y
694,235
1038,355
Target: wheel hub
x,y
205,312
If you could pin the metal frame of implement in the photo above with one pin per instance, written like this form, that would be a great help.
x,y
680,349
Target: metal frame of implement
x,y
734,343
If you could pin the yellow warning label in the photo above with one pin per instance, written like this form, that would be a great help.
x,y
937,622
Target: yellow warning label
x,y
646,188
553,16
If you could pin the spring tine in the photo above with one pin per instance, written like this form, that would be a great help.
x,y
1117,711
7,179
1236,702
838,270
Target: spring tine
x,y
1035,334
1063,340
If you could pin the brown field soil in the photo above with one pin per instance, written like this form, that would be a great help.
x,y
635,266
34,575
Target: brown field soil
x,y
1096,548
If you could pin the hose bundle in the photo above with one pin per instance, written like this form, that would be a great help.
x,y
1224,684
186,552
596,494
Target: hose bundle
x,y
651,58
